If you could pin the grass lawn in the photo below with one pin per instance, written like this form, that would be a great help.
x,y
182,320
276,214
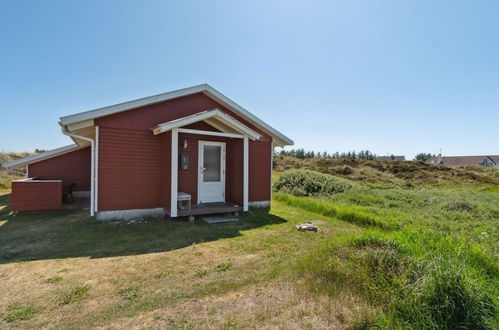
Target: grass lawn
x,y
66,270
385,256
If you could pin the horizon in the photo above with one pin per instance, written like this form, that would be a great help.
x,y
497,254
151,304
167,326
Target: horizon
x,y
388,77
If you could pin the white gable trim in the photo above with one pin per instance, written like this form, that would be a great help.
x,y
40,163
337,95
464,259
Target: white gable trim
x,y
41,156
216,113
280,139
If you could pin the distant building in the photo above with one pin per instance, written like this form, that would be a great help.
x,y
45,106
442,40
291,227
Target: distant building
x,y
487,161
390,158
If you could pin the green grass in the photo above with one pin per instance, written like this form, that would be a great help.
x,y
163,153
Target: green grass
x,y
351,213
19,313
435,268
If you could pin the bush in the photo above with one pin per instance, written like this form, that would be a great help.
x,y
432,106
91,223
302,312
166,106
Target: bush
x,y
310,183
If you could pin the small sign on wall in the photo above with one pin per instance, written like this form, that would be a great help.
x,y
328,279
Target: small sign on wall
x,y
184,161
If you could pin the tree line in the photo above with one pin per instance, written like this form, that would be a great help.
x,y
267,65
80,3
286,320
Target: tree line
x,y
362,155
302,154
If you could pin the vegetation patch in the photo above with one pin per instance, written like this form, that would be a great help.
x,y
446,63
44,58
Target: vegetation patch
x,y
201,273
54,279
400,173
129,293
224,267
75,294
416,286
310,183
18,313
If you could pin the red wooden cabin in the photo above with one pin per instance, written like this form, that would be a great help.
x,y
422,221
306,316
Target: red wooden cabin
x,y
139,158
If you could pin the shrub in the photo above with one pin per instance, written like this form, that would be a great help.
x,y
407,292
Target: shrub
x,y
310,183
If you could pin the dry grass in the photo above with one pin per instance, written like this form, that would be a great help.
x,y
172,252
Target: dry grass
x,y
400,173
7,176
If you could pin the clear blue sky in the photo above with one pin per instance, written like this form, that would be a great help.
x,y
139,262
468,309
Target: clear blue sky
x,y
395,76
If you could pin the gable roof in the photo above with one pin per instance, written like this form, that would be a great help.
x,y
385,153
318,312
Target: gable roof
x,y
215,117
463,160
41,156
279,138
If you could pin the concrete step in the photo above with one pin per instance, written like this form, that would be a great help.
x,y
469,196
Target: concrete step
x,y
220,218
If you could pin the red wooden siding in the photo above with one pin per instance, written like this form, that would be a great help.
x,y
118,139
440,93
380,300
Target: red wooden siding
x,y
234,187
188,179
260,174
132,169
145,118
166,158
73,167
36,196
135,165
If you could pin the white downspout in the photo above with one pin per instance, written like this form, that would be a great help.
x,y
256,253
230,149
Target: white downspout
x,y
96,170
245,173
92,168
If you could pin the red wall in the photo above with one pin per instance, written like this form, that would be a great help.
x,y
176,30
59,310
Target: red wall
x,y
234,187
36,196
134,169
188,179
73,167
145,118
260,172
167,149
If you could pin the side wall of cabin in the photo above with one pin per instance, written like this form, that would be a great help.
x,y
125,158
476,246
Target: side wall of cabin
x,y
72,167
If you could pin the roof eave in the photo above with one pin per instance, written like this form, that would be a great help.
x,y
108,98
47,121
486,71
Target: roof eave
x,y
279,138
129,105
41,156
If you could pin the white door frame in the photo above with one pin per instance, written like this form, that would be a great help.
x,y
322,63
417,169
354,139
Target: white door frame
x,y
202,143
174,165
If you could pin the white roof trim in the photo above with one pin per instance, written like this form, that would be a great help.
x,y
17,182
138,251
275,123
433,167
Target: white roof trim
x,y
41,156
215,113
211,92
282,140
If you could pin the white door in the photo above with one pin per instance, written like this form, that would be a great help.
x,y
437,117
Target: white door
x,y
211,178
